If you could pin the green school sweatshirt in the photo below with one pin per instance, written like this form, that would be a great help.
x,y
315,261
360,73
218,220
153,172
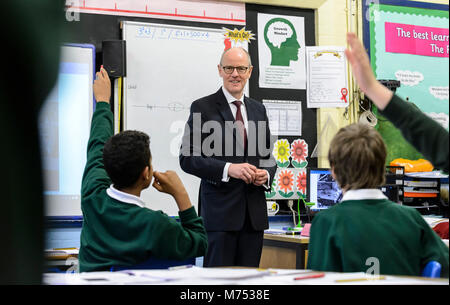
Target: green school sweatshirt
x,y
424,133
348,236
121,234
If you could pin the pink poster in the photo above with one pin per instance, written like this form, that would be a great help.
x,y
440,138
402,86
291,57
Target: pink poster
x,y
417,40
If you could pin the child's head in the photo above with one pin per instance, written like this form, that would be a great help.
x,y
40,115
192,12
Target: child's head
x,y
127,158
357,157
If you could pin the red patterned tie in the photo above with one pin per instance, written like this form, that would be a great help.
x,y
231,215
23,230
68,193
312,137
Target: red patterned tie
x,y
241,127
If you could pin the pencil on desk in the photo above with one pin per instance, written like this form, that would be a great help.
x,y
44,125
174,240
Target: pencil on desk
x,y
310,276
181,267
361,279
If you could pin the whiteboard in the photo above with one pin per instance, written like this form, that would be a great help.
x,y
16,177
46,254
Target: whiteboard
x,y
168,67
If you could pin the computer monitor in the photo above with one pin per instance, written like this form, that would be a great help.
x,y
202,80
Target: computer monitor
x,y
322,189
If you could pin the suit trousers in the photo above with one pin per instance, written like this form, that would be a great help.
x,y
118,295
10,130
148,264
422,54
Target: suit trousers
x,y
235,248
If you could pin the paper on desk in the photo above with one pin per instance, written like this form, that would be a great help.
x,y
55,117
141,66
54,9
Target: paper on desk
x,y
54,279
91,278
66,251
228,276
279,272
199,273
232,273
288,278
99,278
432,174
277,277
96,278
275,231
433,221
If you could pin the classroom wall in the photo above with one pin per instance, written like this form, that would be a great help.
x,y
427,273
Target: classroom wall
x,y
333,20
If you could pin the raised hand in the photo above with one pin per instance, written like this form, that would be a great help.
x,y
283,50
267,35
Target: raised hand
x,y
102,86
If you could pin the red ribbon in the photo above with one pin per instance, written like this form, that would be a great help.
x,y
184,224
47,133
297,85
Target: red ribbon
x,y
344,93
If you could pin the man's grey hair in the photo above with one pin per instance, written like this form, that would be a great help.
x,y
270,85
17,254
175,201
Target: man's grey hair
x,y
245,51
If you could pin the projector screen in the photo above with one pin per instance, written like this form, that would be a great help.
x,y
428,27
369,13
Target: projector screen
x,y
64,124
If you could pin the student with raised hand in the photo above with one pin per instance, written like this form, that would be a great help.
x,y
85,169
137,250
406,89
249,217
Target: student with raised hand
x,y
118,230
366,232
425,134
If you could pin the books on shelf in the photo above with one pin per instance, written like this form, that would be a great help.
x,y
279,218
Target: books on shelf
x,y
414,183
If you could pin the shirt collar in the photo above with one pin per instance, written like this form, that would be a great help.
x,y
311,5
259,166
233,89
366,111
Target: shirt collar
x,y
230,98
124,197
362,194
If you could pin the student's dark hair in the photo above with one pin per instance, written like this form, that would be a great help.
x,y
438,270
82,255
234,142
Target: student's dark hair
x,y
125,155
357,155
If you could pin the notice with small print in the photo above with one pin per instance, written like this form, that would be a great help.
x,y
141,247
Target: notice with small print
x,y
327,84
281,47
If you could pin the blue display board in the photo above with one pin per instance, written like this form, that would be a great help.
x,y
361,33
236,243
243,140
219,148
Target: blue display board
x,y
399,36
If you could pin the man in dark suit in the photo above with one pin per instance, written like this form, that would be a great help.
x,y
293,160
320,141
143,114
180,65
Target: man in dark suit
x,y
227,143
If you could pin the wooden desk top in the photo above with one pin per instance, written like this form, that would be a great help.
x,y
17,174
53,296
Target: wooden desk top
x,y
287,238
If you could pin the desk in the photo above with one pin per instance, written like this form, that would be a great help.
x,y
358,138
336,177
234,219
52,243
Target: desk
x,y
229,276
284,251
61,260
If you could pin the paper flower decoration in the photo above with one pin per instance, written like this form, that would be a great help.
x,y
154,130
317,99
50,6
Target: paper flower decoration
x,y
286,183
272,191
300,183
281,152
299,152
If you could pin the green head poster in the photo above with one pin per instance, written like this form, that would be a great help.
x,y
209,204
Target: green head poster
x,y
281,47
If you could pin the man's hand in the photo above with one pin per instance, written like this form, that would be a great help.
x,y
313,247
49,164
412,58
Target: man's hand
x,y
260,177
362,71
102,86
243,171
171,184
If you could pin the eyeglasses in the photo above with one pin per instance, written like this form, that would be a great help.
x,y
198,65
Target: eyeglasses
x,y
230,69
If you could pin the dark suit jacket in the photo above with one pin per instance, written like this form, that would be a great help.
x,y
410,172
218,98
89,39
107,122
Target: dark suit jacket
x,y
209,142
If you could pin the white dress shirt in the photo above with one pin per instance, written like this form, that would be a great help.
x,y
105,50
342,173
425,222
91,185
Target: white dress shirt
x,y
230,99
233,107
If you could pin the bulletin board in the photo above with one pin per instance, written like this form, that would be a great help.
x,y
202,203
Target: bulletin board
x,y
290,169
408,42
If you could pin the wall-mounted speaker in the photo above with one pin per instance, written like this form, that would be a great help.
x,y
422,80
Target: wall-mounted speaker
x,y
114,57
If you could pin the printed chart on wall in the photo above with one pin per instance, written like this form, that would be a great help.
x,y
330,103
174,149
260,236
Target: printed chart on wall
x,y
208,11
327,77
281,47
169,67
411,45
